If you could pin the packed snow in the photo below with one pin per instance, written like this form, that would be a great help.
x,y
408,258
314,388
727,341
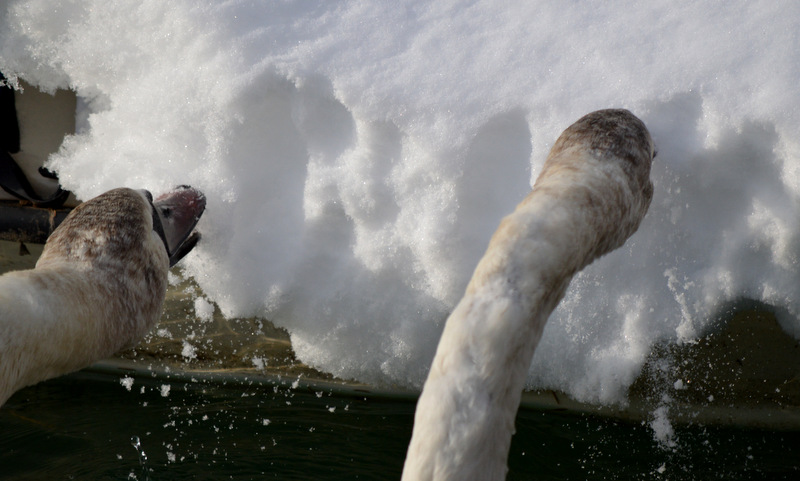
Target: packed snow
x,y
358,155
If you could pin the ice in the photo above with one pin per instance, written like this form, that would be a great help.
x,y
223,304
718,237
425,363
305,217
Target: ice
x,y
203,309
357,156
127,382
663,432
258,362
188,351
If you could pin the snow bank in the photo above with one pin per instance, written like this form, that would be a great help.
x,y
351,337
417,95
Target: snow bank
x,y
357,157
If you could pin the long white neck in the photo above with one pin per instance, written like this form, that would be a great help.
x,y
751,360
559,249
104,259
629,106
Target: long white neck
x,y
58,319
465,415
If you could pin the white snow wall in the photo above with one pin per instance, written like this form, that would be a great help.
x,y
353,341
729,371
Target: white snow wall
x,y
357,157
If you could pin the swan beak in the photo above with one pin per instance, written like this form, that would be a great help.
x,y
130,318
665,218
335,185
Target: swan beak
x,y
175,215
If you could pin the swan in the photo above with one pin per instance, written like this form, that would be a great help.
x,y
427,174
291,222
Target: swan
x,y
592,193
98,285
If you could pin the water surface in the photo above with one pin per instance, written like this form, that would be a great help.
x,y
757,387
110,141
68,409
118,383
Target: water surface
x,y
81,427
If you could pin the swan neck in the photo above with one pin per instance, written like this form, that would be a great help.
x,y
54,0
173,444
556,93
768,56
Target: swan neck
x,y
465,415
59,319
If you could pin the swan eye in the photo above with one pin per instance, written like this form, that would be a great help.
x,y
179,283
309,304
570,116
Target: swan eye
x,y
166,212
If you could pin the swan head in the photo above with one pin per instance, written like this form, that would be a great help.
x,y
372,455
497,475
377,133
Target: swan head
x,y
600,165
118,247
98,286
175,215
613,137
123,225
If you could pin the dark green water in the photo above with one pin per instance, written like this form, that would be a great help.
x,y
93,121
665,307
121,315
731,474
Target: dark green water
x,y
81,427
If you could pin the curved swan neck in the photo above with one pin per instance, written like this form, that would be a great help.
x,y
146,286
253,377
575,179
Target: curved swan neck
x,y
590,197
495,329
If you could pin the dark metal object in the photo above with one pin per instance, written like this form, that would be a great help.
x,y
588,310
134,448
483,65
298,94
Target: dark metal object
x,y
26,223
